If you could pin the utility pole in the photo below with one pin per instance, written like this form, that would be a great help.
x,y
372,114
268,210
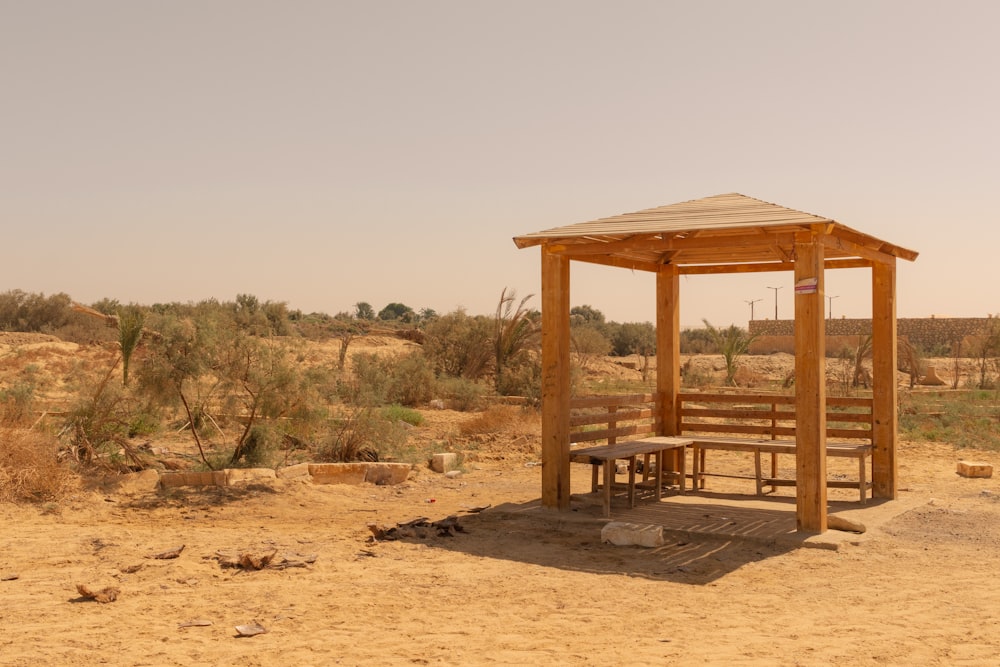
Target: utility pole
x,y
751,307
829,301
775,301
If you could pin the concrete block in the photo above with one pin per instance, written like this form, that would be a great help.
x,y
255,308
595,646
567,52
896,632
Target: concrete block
x,y
626,534
206,478
297,471
144,481
975,469
387,473
338,473
444,462
236,476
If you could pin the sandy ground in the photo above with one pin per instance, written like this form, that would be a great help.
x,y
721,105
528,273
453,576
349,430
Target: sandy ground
x,y
530,589
920,588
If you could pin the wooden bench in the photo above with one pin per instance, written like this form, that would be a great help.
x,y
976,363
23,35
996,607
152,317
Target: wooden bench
x,y
608,455
729,422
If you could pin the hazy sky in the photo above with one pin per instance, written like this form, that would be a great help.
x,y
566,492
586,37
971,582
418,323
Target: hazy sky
x,y
325,153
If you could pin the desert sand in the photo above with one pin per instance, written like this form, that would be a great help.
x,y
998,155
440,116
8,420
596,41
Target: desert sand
x,y
920,587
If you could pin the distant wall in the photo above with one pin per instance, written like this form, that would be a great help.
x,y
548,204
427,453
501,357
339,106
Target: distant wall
x,y
929,333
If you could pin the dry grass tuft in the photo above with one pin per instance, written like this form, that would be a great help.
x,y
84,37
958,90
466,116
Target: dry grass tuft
x,y
501,420
29,471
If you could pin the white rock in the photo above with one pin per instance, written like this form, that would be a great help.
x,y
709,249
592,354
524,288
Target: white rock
x,y
623,534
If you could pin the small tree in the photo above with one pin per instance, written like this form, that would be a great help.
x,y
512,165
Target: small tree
x,y
364,311
458,344
732,343
588,343
986,352
638,338
396,311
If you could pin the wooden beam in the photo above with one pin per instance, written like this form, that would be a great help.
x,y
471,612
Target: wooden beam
x,y
668,347
653,243
884,406
714,269
810,386
620,262
643,242
555,381
844,245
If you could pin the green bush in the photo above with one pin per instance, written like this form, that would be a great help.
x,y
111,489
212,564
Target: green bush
x,y
143,423
17,404
412,380
462,394
369,384
523,377
407,380
397,413
363,435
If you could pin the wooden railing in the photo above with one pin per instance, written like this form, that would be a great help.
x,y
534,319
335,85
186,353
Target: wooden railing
x,y
770,415
615,418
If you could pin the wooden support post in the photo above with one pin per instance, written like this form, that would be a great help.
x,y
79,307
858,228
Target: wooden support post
x,y
555,381
884,406
668,347
810,385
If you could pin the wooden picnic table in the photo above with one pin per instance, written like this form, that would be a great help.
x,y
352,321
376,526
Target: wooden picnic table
x,y
607,455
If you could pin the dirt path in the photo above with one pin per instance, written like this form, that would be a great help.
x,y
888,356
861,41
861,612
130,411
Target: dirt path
x,y
922,590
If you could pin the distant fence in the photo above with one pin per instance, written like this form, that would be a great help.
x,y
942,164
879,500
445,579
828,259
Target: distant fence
x,y
929,333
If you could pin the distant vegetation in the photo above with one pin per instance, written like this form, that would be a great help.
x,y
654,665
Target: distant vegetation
x,y
234,375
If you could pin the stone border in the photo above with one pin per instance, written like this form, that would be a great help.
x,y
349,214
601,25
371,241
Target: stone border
x,y
317,473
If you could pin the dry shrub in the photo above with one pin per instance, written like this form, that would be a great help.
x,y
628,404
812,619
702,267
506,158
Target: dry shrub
x,y
29,470
500,420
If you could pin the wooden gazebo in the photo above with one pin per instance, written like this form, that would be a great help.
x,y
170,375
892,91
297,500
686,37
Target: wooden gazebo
x,y
729,233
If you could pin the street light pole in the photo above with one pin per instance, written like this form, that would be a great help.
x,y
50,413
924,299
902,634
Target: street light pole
x,y
775,301
751,307
829,301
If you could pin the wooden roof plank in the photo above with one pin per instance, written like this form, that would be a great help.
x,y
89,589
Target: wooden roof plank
x,y
728,230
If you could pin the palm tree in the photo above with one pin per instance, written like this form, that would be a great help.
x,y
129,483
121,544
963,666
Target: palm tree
x,y
732,343
130,322
514,328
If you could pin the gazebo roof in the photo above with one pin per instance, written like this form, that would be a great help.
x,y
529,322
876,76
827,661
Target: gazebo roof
x,y
729,233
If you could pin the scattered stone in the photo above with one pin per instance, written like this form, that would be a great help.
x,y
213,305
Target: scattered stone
x,y
198,623
250,630
444,462
246,560
477,510
975,469
104,595
436,404
623,534
166,555
836,522
10,576
453,474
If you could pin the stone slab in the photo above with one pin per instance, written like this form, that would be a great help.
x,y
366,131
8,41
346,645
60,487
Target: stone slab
x,y
975,469
235,476
387,474
444,462
207,478
338,473
297,471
